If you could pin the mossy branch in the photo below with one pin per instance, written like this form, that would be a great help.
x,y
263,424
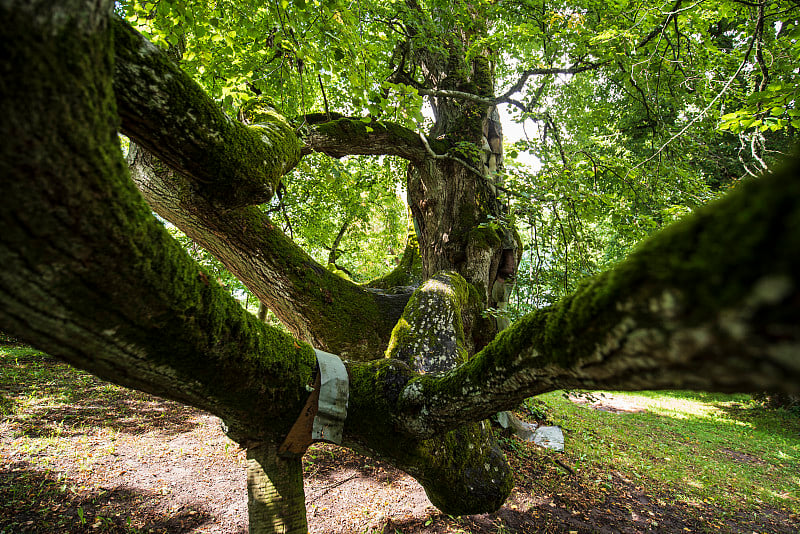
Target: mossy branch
x,y
408,272
351,136
711,303
165,111
317,305
89,275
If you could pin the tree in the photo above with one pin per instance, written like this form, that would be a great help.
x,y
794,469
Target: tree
x,y
90,276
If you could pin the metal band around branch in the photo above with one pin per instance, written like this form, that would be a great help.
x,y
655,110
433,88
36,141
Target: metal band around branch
x,y
334,393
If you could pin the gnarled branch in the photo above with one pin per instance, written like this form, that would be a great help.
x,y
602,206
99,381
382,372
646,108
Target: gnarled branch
x,y
711,303
319,306
351,136
165,111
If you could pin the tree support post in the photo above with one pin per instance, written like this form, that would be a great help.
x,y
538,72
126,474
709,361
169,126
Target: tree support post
x,y
275,495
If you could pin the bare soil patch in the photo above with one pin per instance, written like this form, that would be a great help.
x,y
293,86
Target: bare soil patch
x,y
607,403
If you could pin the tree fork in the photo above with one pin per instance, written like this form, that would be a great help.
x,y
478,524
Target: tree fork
x,y
310,300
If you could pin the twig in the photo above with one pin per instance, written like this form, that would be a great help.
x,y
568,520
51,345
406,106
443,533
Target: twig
x,y
330,487
702,113
434,155
565,466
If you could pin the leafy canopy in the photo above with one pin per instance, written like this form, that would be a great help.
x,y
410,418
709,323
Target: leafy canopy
x,y
637,111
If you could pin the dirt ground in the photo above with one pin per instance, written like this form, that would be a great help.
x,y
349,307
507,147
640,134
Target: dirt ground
x,y
121,461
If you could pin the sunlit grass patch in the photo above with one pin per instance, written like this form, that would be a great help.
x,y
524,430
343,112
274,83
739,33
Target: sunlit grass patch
x,y
697,447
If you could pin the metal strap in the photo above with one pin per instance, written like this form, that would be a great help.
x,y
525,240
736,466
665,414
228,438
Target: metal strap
x,y
334,394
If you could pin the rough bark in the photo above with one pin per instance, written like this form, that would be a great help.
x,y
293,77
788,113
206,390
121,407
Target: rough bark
x,y
712,303
90,276
231,165
352,136
209,199
314,303
453,195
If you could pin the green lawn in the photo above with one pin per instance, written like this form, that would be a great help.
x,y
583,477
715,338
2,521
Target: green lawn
x,y
700,448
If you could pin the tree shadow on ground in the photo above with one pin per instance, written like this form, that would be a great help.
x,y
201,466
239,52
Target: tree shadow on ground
x,y
626,510
59,398
333,463
35,501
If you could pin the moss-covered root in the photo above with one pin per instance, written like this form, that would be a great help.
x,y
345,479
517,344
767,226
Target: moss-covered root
x,y
430,335
275,496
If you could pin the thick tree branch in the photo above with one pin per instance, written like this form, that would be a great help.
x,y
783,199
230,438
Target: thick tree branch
x,y
164,110
349,136
319,307
712,303
88,274
91,277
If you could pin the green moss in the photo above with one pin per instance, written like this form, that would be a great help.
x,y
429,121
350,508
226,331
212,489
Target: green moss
x,y
485,237
346,319
164,110
417,338
132,306
408,272
462,471
482,76
688,276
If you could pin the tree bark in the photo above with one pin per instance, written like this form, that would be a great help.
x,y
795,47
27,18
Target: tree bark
x,y
231,165
311,301
711,303
91,277
88,274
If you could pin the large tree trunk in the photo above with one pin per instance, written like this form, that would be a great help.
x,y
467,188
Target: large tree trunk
x,y
458,215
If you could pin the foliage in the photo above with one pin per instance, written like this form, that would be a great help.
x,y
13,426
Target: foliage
x,y
301,53
671,110
346,213
638,111
780,401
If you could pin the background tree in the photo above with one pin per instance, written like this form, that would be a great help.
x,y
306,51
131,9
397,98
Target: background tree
x,y
90,276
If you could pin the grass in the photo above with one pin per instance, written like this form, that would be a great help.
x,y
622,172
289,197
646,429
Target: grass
x,y
699,448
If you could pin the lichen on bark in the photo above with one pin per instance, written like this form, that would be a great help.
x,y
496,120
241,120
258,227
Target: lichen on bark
x,y
462,471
